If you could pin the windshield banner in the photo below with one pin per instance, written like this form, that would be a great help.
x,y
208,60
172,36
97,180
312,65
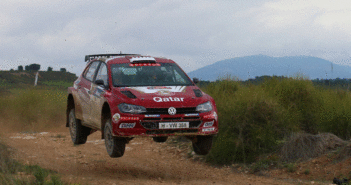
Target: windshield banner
x,y
160,90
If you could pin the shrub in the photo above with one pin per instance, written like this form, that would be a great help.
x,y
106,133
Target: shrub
x,y
335,114
300,98
251,123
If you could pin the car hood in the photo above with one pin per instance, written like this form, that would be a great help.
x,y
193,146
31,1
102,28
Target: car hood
x,y
162,96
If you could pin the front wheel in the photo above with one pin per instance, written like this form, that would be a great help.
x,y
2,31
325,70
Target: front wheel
x,y
79,133
203,145
115,146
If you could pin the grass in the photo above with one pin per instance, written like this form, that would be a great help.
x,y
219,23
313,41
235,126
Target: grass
x,y
257,119
291,167
30,110
33,109
13,172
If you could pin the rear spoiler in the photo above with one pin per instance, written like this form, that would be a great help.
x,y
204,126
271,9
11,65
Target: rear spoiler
x,y
88,58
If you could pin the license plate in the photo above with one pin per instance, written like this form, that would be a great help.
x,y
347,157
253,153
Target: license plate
x,y
173,125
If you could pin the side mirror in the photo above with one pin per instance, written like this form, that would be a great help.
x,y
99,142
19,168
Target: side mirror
x,y
100,83
195,80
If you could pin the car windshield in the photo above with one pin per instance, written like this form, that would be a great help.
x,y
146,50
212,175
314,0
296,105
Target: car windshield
x,y
154,74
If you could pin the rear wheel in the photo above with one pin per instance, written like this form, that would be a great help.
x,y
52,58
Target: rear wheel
x,y
160,139
203,145
79,133
115,146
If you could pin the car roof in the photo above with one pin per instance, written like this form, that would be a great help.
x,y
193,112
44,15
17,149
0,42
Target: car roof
x,y
132,59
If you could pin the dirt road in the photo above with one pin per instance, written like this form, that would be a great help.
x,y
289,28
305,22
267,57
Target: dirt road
x,y
144,162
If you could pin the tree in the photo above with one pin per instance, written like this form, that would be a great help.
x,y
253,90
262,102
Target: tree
x,y
34,67
63,69
49,68
26,68
20,68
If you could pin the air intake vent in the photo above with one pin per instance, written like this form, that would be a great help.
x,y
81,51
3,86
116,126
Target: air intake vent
x,y
198,92
128,94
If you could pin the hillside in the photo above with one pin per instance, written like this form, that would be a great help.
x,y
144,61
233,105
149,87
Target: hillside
x,y
9,79
259,65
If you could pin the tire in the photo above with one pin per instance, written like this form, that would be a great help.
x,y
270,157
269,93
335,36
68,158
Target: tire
x,y
160,139
203,145
79,133
115,146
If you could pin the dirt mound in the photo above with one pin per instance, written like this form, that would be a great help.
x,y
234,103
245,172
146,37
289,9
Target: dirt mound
x,y
344,153
303,146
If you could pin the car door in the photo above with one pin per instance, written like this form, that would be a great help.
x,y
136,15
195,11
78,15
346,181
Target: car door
x,y
97,98
84,93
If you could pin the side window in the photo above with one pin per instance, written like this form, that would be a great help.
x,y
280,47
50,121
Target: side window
x,y
89,74
102,74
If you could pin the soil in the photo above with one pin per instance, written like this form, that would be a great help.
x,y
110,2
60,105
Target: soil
x,y
148,162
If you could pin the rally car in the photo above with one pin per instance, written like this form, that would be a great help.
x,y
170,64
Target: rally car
x,y
130,95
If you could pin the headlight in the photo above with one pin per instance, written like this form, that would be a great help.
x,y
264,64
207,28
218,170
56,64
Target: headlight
x,y
205,107
132,109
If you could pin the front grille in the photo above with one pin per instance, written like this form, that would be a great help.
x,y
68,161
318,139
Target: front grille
x,y
152,119
195,117
155,125
188,110
170,131
170,119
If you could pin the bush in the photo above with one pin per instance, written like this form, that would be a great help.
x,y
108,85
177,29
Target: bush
x,y
251,123
255,119
335,114
300,98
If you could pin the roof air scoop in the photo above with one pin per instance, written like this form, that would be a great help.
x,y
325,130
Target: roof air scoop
x,y
140,59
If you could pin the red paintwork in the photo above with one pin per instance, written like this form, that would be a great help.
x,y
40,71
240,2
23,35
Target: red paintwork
x,y
114,97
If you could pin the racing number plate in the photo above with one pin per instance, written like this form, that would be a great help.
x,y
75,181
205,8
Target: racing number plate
x,y
173,125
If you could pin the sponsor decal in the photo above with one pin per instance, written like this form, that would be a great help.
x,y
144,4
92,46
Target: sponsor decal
x,y
129,118
98,91
211,116
194,114
127,125
155,89
159,87
168,99
172,111
144,64
208,124
152,116
116,117
208,129
164,93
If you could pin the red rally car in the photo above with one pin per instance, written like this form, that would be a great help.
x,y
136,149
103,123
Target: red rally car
x,y
129,95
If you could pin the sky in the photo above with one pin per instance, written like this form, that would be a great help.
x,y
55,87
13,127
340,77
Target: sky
x,y
193,33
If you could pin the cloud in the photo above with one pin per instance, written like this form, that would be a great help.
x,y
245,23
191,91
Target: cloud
x,y
193,33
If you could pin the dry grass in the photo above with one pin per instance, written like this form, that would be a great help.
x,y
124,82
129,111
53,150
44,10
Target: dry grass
x,y
303,146
32,109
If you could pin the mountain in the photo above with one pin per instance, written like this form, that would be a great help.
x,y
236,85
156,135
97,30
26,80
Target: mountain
x,y
259,65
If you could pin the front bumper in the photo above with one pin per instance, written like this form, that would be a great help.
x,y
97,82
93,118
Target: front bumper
x,y
134,125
